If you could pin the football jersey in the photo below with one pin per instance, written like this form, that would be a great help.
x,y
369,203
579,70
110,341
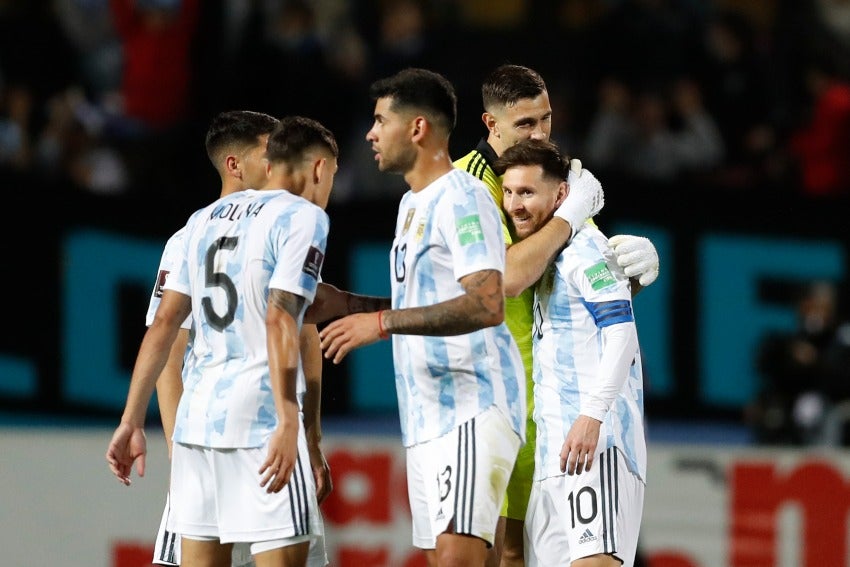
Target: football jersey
x,y
444,232
518,310
479,163
167,264
235,250
580,294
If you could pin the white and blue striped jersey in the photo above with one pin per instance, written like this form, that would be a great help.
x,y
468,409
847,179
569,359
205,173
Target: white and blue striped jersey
x,y
234,250
168,263
580,295
444,232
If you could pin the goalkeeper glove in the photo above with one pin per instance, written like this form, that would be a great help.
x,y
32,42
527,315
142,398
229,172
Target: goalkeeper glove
x,y
584,200
637,256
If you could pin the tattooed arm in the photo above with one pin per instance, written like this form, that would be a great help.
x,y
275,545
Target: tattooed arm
x,y
331,303
284,348
481,305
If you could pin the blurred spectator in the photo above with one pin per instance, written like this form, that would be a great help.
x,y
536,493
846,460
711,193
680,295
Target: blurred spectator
x,y
71,150
156,38
734,79
834,17
821,145
641,41
148,119
283,66
404,38
15,108
565,129
32,44
88,26
494,15
635,134
30,41
804,372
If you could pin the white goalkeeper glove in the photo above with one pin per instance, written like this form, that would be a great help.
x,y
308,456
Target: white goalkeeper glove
x,y
637,256
584,200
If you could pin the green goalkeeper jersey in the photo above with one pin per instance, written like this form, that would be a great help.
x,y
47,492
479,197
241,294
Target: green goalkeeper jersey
x,y
518,310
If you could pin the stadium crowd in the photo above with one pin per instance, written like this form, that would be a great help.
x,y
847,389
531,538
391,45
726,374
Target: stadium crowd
x,y
108,96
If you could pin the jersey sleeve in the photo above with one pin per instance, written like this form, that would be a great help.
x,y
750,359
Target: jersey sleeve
x,y
590,270
607,296
168,263
304,242
477,165
472,228
178,278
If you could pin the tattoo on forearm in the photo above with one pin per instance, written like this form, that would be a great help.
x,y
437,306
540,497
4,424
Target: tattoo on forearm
x,y
479,307
486,290
366,303
286,301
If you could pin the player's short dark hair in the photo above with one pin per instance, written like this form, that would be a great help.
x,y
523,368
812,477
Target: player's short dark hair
x,y
507,84
535,152
236,130
294,136
423,90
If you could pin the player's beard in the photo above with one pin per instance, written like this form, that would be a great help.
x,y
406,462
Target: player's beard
x,y
402,162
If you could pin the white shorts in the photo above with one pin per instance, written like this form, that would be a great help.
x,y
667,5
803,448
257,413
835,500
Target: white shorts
x,y
216,494
457,482
167,547
575,516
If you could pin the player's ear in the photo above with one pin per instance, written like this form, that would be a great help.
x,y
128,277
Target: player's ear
x,y
563,191
489,121
320,168
232,166
420,127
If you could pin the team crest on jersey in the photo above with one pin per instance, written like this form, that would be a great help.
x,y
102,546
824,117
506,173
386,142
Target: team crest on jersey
x,y
407,220
420,230
599,276
313,263
469,230
160,283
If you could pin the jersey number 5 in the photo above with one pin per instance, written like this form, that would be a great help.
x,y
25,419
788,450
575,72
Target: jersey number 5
x,y
219,279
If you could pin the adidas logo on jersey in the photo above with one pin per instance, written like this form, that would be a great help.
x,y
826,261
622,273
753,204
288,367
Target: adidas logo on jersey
x,y
440,515
586,537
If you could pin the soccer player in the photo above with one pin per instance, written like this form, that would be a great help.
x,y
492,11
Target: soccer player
x,y
516,108
459,376
236,145
588,382
249,265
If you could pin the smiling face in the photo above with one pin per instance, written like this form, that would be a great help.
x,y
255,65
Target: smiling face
x,y
528,119
530,198
390,136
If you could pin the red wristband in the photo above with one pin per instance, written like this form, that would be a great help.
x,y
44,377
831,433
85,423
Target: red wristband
x,y
381,332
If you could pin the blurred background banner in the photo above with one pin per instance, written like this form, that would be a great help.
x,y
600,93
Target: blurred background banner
x,y
706,505
729,280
